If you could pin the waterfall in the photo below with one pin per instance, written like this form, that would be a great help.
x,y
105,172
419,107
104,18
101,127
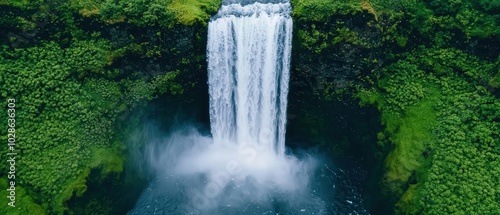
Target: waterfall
x,y
248,53
242,168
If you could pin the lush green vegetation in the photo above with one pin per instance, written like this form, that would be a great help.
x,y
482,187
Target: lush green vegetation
x,y
61,64
159,12
431,68
321,10
446,138
67,125
434,79
163,12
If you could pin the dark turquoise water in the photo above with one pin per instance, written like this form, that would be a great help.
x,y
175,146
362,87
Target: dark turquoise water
x,y
334,189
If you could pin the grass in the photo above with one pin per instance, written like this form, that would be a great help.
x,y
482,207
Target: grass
x,y
189,12
24,203
411,133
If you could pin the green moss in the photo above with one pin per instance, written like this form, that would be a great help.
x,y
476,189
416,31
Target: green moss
x,y
76,187
409,201
188,12
411,133
160,12
368,97
108,160
24,204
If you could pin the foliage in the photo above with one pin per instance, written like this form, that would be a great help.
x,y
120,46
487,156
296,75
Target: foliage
x,y
368,96
317,40
400,92
495,81
435,92
158,12
93,57
188,12
468,17
67,126
321,10
24,202
443,125
401,22
393,5
440,118
64,66
314,35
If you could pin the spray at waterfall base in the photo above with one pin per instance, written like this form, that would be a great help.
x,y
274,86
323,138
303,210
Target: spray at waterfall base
x,y
212,176
243,167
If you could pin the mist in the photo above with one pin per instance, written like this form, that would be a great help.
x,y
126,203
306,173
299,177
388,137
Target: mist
x,y
226,174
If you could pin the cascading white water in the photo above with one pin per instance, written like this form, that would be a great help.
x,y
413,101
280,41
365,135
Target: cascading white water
x,y
242,168
248,52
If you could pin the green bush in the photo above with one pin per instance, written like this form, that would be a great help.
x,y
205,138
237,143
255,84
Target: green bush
x,y
444,126
66,125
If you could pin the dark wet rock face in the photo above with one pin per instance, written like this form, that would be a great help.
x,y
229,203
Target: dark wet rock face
x,y
328,60
345,50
